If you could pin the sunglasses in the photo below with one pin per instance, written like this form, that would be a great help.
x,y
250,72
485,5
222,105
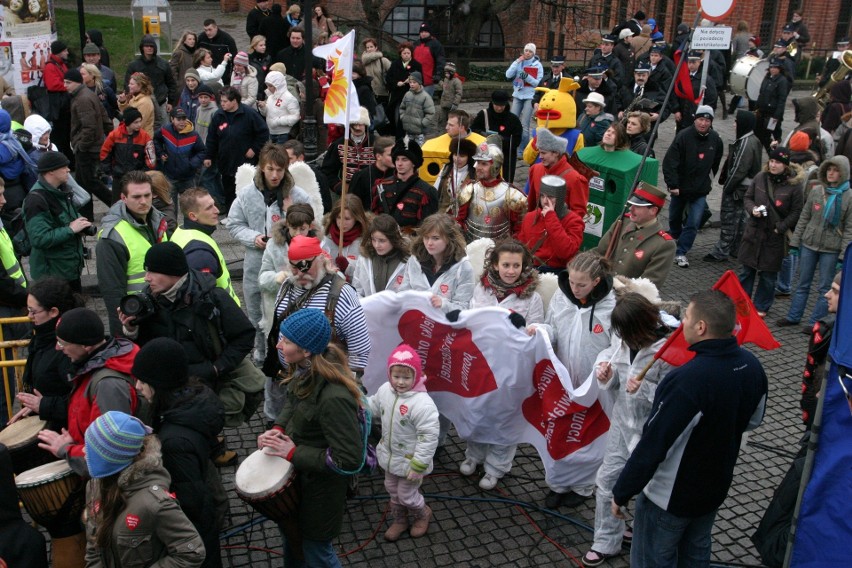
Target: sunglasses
x,y
840,378
303,265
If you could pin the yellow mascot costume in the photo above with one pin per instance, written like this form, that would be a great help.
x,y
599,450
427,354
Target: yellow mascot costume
x,y
557,112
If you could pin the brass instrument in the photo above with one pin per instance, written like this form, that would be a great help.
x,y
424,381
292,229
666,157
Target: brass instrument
x,y
845,67
793,49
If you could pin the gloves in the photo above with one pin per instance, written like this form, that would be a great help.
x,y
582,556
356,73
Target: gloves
x,y
794,251
342,263
839,266
517,320
414,476
453,315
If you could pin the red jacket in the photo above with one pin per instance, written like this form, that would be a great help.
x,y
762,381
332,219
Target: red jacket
x,y
562,237
120,153
577,194
110,393
54,74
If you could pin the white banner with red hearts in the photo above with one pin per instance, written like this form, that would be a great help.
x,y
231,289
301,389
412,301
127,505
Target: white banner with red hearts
x,y
497,384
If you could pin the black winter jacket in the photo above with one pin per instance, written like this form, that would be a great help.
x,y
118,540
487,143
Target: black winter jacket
x,y
691,162
47,371
20,544
230,136
160,74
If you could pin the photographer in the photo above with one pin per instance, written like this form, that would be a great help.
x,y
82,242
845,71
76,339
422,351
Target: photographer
x,y
54,225
216,335
129,229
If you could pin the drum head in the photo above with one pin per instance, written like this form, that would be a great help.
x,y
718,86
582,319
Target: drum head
x,y
261,474
22,432
756,77
43,473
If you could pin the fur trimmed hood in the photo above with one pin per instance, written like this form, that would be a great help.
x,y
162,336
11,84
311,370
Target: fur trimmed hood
x,y
842,163
795,173
149,463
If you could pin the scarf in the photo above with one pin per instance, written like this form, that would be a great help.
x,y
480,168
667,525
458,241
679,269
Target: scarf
x,y
523,288
383,267
237,79
348,237
778,179
831,213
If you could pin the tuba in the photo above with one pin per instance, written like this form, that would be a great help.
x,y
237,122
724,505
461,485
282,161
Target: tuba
x,y
845,67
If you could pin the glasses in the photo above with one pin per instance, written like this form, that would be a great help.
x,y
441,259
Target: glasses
x,y
303,265
840,378
33,312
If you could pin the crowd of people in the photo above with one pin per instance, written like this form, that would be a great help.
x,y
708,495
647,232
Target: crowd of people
x,y
163,151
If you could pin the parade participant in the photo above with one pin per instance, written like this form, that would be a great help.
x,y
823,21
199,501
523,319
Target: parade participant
x,y
455,175
360,152
508,281
21,544
437,149
317,431
381,265
409,439
699,414
578,324
771,102
186,417
604,57
365,181
406,197
685,108
638,334
130,482
596,80
644,249
352,222
637,126
552,233
554,162
490,207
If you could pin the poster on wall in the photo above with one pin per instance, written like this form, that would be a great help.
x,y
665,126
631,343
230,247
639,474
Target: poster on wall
x,y
29,55
26,18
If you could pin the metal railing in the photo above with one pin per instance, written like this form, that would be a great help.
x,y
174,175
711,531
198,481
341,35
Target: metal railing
x,y
6,364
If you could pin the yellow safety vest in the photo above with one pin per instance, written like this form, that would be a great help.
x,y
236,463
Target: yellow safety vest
x,y
183,237
10,261
137,246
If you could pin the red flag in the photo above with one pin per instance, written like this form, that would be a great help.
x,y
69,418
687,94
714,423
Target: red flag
x,y
683,84
750,327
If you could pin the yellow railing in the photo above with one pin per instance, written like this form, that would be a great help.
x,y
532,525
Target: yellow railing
x,y
6,364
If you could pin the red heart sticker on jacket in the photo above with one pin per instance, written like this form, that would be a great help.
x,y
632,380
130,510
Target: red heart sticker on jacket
x,y
777,203
132,521
403,410
223,126
135,154
639,254
598,328
817,206
399,206
399,279
444,289
701,156
452,361
567,426
276,218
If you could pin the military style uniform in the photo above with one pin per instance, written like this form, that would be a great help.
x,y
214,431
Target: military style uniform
x,y
490,210
646,252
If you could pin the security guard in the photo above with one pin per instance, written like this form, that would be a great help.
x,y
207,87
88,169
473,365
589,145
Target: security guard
x,y
645,250
195,238
128,230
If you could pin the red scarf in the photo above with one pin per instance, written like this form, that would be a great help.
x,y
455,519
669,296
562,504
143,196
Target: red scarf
x,y
348,237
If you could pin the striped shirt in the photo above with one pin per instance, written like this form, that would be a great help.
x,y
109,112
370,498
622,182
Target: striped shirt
x,y
350,325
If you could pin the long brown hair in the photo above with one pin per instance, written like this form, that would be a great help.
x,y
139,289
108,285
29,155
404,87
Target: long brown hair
x,y
355,207
445,226
386,225
636,320
331,365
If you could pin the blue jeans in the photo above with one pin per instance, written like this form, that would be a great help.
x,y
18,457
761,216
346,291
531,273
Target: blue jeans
x,y
212,182
318,554
279,138
685,232
810,260
788,271
522,108
663,540
764,296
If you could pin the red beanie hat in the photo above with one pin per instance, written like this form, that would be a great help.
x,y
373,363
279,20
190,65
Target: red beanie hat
x,y
303,248
799,142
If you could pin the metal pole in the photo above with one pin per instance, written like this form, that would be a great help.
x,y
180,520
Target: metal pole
x,y
309,122
81,21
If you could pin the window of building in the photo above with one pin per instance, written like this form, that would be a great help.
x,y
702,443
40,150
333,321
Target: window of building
x,y
403,23
766,30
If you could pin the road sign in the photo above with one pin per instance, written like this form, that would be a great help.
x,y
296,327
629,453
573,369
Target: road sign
x,y
712,38
716,10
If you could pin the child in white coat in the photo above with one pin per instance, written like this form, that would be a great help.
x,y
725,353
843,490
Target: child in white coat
x,y
509,281
381,265
280,108
350,220
409,439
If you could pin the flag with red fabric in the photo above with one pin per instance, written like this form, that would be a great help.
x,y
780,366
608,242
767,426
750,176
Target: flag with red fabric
x,y
750,327
683,84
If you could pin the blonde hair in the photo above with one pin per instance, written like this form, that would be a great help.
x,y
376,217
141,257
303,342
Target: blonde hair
x,y
182,39
255,41
96,74
591,263
144,83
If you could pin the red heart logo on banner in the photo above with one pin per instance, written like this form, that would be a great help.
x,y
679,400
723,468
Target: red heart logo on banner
x,y
132,521
566,426
451,360
399,279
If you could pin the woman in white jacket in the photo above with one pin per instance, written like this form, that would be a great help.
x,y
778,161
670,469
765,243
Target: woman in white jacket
x,y
384,254
409,440
244,77
351,220
203,62
280,108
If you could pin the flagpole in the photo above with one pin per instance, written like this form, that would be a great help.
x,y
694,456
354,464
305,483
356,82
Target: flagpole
x,y
343,185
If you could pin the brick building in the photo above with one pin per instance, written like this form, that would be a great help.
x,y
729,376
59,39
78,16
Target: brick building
x,y
564,25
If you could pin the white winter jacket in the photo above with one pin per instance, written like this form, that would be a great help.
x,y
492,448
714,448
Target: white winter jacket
x,y
208,73
455,286
352,252
531,307
409,430
282,109
362,278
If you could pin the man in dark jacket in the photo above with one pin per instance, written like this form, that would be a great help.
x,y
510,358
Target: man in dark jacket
x,y
255,16
691,160
692,439
236,135
496,118
158,71
218,42
274,28
89,127
406,197
215,333
684,107
596,80
429,53
366,181
293,56
770,104
604,57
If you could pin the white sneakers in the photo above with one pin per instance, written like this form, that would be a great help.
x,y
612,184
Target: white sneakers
x,y
467,467
682,261
488,482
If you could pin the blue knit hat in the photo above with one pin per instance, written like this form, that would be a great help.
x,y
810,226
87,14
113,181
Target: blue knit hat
x,y
112,443
309,329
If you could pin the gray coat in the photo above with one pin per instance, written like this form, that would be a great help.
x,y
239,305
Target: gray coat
x,y
417,111
812,231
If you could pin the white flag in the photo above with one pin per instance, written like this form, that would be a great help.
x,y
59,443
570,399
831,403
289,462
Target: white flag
x,y
341,101
497,384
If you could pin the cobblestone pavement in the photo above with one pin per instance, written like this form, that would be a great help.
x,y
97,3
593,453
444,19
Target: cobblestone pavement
x,y
508,527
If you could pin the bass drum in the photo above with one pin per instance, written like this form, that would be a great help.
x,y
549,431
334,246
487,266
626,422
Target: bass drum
x,y
747,75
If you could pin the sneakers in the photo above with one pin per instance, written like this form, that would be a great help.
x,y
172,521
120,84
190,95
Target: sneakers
x,y
710,258
594,558
488,482
682,261
467,467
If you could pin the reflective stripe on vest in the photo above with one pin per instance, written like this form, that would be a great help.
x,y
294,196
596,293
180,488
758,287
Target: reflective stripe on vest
x,y
10,261
137,245
183,237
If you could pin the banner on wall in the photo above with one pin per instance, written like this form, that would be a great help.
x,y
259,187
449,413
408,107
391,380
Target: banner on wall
x,y
29,55
23,18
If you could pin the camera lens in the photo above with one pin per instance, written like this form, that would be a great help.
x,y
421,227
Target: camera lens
x,y
91,230
131,305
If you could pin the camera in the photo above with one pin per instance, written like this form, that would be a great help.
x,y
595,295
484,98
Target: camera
x,y
90,231
139,306
761,210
